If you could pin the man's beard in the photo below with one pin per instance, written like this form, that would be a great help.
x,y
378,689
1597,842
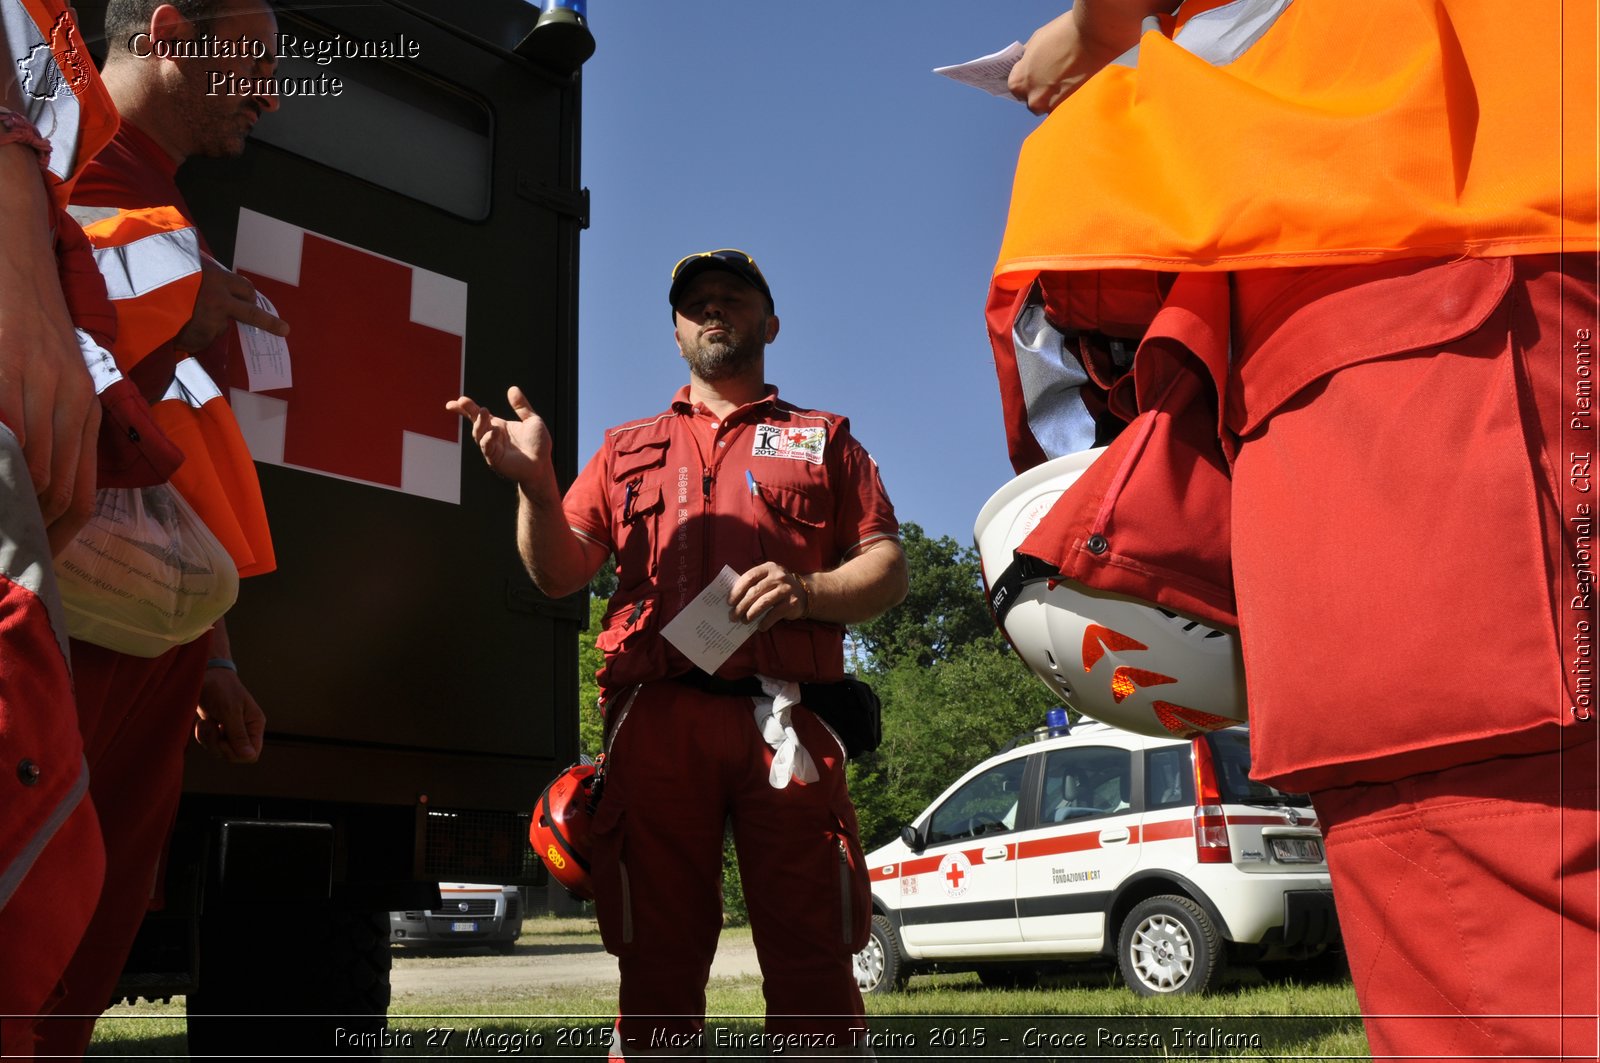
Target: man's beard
x,y
722,359
213,124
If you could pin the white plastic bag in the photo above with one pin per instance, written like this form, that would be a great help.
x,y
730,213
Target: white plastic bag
x,y
145,574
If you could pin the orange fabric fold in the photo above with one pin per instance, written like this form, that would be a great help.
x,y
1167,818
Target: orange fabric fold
x,y
1348,133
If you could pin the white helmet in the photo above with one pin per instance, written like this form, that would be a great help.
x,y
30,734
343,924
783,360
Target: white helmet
x,y
1117,659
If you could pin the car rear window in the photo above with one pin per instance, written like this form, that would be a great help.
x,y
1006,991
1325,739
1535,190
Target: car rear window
x,y
1230,752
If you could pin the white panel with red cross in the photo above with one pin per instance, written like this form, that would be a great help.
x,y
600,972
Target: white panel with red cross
x,y
378,348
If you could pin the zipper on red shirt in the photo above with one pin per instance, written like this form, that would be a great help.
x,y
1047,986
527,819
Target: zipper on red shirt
x,y
706,476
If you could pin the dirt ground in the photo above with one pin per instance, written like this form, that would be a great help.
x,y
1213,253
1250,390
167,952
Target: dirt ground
x,y
537,961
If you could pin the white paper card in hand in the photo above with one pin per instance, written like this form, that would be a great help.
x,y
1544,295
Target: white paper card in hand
x,y
987,72
705,631
266,357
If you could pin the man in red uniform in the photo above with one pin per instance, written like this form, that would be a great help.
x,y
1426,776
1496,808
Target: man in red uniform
x,y
1406,308
136,712
728,477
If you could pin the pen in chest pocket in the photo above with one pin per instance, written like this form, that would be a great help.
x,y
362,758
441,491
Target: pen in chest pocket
x,y
630,491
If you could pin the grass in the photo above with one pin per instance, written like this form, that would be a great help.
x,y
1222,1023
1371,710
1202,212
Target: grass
x,y
940,1016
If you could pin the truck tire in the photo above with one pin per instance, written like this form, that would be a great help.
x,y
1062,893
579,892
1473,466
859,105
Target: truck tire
x,y
318,988
1168,945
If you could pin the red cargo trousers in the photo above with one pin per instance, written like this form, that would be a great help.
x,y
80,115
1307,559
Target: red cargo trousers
x,y
682,765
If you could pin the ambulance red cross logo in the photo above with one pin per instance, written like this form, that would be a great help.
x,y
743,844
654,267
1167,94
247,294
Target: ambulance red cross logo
x,y
954,872
376,346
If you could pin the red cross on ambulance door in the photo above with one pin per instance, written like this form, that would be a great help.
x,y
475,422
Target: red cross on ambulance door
x,y
962,887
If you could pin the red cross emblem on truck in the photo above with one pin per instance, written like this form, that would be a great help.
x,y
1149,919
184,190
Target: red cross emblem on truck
x,y
367,329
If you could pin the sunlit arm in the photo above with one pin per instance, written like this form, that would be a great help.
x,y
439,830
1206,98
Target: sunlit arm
x,y
557,558
867,584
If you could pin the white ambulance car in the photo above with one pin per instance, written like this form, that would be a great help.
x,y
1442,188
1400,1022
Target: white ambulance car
x,y
1101,844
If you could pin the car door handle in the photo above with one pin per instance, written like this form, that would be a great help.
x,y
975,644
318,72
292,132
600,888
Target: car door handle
x,y
994,854
1114,836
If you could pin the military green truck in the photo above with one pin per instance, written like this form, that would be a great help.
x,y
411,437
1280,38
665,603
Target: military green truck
x,y
413,210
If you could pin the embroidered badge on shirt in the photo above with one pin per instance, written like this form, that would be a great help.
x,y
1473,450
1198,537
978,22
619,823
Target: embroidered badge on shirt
x,y
785,441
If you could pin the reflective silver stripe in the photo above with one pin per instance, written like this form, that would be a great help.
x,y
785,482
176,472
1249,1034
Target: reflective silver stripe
x,y
102,367
87,216
192,384
46,97
1052,380
24,548
12,874
1151,24
1221,35
148,263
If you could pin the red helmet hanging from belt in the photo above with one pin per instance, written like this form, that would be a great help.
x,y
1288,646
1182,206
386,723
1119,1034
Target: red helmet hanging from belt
x,y
562,823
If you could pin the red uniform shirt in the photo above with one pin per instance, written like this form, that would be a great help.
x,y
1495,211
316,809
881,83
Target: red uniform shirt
x,y
677,496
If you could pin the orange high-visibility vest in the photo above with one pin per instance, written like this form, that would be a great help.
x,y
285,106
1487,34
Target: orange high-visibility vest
x,y
219,477
150,258
1340,133
150,261
59,91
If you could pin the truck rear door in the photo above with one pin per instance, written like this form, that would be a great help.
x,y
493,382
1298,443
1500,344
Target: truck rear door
x,y
418,230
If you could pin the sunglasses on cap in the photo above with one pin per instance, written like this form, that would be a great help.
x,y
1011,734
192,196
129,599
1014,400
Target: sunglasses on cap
x,y
725,254
731,259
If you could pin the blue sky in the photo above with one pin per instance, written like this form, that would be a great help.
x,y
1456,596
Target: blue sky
x,y
871,191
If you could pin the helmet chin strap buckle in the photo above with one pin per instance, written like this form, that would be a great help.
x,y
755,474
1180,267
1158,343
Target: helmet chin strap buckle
x,y
1023,570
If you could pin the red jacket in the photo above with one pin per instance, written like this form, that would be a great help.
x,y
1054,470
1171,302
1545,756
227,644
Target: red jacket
x,y
677,496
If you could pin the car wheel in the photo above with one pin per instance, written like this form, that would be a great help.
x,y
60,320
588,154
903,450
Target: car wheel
x,y
879,966
504,948
1168,945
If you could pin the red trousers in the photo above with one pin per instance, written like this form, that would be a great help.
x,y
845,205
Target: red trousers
x,y
41,925
136,714
51,862
1467,899
682,765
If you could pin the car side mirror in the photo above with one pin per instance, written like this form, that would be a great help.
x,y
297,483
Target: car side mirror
x,y
912,838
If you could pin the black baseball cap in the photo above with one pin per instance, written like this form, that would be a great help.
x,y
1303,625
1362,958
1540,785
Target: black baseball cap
x,y
730,259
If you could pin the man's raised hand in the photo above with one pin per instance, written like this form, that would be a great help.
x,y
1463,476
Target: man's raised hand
x,y
517,449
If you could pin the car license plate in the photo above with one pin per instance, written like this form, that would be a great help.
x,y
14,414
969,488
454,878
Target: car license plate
x,y
1297,850
463,928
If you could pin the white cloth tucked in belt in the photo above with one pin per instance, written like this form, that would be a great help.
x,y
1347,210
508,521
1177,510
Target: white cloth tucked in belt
x,y
774,715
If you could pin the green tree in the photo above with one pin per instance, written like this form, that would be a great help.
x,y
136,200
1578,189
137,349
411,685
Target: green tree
x,y
938,721
952,690
943,612
590,723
